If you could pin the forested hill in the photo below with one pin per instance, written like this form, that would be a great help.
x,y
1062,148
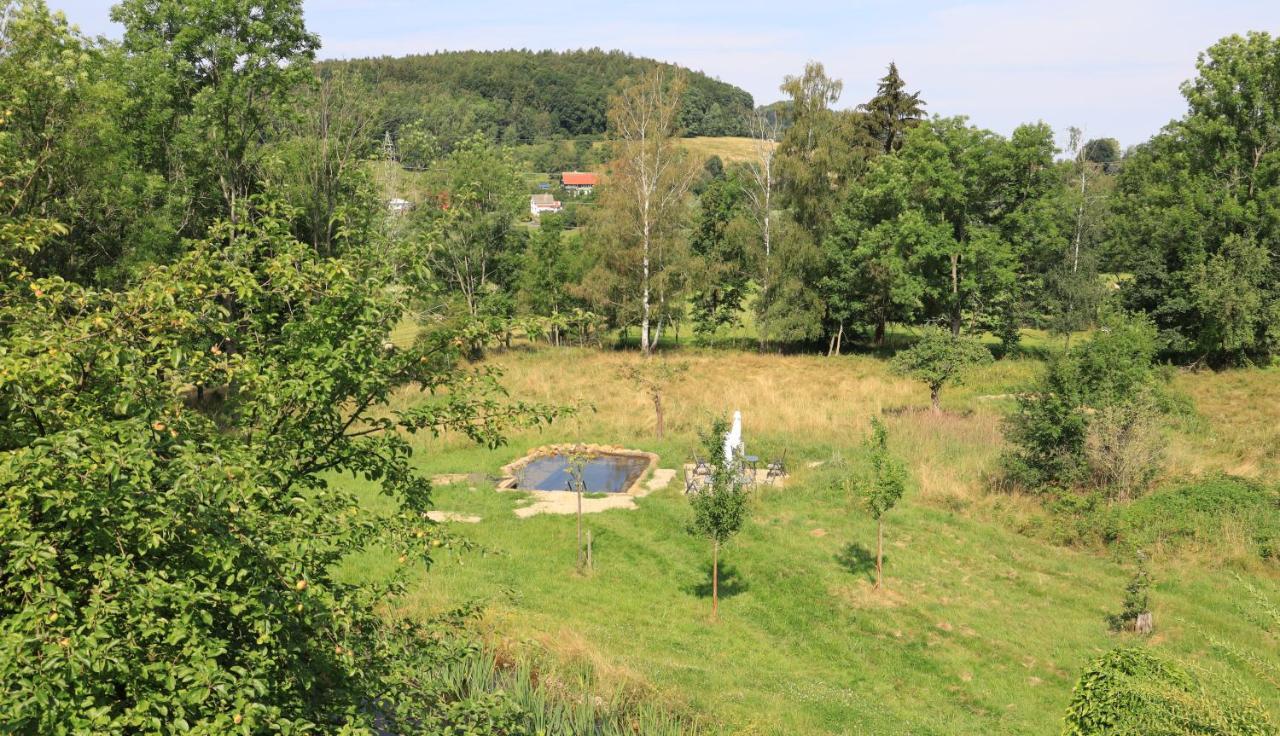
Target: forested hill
x,y
522,96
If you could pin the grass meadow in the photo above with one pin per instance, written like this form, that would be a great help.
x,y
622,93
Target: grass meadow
x,y
981,628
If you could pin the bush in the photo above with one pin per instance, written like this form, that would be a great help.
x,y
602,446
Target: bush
x,y
1195,511
1124,449
1132,692
1092,418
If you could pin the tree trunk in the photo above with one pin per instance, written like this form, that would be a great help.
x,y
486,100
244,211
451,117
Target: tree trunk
x,y
578,491
645,347
935,399
660,427
840,338
955,295
878,340
715,578
879,551
1144,623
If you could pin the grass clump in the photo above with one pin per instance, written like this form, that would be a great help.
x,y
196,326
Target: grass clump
x,y
1217,515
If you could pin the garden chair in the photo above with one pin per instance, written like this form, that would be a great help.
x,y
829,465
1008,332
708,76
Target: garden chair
x,y
692,482
700,466
777,468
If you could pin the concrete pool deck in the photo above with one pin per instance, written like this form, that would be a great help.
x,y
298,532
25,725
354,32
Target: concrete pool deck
x,y
563,502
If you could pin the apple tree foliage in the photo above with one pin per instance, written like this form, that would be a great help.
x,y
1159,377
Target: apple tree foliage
x,y
170,534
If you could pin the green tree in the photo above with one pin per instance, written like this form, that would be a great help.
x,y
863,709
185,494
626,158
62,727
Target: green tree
x,y
875,249
977,202
67,111
791,304
214,75
939,358
1072,287
171,560
892,111
548,271
719,510
648,188
316,163
759,189
882,491
468,241
718,244
1195,223
1102,151
815,157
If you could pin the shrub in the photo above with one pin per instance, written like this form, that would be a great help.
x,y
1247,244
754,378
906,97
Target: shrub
x,y
1132,692
1092,417
1189,512
1123,448
1137,598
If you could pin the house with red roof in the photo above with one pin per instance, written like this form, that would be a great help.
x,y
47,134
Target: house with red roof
x,y
579,182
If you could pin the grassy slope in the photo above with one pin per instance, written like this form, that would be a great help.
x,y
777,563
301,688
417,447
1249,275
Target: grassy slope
x,y
981,630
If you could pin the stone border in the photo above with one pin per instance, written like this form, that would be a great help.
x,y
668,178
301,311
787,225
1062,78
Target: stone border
x,y
637,488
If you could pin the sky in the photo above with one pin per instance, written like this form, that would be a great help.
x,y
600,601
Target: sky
x,y
1110,67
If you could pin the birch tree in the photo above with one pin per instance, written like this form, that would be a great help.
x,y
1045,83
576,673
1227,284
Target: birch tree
x,y
650,180
1072,289
766,130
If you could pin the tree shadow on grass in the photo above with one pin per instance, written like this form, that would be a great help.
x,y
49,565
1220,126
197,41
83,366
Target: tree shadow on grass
x,y
731,582
859,560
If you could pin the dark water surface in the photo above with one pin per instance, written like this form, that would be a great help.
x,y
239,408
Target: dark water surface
x,y
603,473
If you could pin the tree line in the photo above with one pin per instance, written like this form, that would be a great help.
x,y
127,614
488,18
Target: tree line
x,y
840,223
843,222
850,220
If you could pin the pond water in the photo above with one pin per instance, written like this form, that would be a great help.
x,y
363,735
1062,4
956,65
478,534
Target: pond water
x,y
603,473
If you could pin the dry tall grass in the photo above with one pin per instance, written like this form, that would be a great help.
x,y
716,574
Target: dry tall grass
x,y
1239,423
819,406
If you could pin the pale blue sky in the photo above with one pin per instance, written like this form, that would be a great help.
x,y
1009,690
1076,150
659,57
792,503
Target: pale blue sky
x,y
1109,66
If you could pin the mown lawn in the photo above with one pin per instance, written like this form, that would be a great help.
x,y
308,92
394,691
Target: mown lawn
x,y
979,630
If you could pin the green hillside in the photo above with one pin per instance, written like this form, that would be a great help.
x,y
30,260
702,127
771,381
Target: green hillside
x,y
980,629
524,96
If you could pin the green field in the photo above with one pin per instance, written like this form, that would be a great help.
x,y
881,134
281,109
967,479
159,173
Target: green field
x,y
981,629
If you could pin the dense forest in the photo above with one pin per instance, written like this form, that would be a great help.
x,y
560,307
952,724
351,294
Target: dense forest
x,y
526,96
202,278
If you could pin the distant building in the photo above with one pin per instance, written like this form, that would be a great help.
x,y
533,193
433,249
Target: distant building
x,y
540,203
398,206
579,182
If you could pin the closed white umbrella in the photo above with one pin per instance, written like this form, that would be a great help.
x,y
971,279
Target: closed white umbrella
x,y
733,440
